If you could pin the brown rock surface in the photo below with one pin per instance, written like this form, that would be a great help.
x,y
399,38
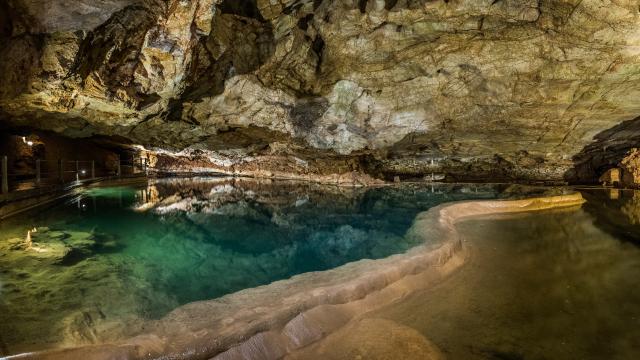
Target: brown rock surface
x,y
631,167
487,89
373,339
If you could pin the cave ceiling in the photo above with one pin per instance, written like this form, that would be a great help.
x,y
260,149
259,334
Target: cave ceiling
x,y
528,82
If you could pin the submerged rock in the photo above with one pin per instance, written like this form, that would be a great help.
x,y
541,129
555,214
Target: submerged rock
x,y
60,247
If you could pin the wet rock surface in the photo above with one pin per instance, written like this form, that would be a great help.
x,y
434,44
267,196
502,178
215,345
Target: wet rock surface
x,y
490,89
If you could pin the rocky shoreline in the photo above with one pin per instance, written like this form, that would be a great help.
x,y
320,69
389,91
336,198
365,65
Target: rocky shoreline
x,y
271,321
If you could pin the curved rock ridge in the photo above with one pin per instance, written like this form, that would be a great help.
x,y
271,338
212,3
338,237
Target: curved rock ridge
x,y
271,321
471,88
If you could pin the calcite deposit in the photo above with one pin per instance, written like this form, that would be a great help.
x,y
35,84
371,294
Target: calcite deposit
x,y
472,89
269,322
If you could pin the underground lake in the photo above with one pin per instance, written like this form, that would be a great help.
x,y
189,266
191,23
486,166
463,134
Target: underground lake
x,y
110,264
319,179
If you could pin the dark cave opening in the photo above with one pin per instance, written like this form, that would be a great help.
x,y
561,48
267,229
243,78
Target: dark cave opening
x,y
362,4
6,23
606,152
40,158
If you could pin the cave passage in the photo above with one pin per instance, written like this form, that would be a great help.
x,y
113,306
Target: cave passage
x,y
319,179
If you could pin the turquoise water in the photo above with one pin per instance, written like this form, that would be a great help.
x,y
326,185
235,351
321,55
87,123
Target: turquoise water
x,y
101,266
104,262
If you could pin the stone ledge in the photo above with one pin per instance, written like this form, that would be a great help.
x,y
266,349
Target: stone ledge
x,y
271,321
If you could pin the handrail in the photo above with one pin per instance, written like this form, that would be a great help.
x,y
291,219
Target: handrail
x,y
57,171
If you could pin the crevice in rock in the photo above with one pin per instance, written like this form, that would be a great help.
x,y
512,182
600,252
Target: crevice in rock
x,y
362,5
303,23
244,8
389,4
204,82
175,109
236,46
318,47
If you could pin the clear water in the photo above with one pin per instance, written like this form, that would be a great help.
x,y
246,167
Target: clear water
x,y
549,285
102,263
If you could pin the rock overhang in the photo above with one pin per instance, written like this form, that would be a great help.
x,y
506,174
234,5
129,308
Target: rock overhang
x,y
390,81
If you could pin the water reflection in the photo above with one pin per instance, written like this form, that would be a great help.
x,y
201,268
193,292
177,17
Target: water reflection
x,y
553,285
113,258
615,211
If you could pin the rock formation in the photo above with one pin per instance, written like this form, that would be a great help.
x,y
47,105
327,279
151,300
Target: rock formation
x,y
475,89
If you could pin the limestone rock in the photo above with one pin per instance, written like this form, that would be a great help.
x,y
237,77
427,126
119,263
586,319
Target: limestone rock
x,y
373,339
631,168
392,84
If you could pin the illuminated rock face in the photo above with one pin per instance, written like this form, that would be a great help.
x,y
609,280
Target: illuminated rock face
x,y
486,89
631,168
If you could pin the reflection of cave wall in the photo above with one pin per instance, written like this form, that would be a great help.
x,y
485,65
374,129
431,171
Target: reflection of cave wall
x,y
606,152
616,212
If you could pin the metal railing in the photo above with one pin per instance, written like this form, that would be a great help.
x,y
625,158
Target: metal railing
x,y
49,173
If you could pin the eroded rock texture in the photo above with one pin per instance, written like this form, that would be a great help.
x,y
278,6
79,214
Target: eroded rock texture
x,y
477,89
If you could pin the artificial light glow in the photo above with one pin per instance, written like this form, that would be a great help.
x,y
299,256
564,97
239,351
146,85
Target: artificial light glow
x,y
24,140
84,172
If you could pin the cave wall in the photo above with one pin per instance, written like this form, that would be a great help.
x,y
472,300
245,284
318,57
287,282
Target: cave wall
x,y
479,90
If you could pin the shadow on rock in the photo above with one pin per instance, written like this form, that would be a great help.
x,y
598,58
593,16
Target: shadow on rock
x,y
607,151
